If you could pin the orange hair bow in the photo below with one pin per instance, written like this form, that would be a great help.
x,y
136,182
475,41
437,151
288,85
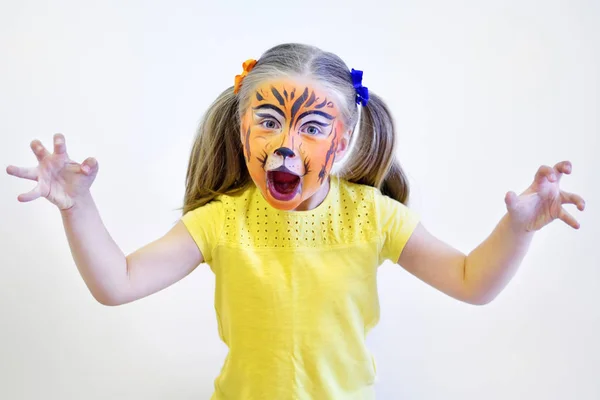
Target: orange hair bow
x,y
248,65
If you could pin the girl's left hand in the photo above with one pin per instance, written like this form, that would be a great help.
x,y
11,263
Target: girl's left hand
x,y
542,202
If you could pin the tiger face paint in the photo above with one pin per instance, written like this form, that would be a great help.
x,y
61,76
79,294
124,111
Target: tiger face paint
x,y
291,134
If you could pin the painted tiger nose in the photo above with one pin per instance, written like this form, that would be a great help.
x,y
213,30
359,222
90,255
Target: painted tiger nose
x,y
284,152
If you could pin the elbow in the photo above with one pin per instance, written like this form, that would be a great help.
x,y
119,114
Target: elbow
x,y
109,295
477,297
105,300
479,302
474,293
480,299
109,303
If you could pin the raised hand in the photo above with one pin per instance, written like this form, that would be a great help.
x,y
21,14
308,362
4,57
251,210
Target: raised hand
x,y
59,179
543,201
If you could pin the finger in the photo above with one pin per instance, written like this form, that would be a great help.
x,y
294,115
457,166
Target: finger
x,y
60,145
563,167
23,172
572,198
545,172
39,150
510,200
89,166
31,195
568,218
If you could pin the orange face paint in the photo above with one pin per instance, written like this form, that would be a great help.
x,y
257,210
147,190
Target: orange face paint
x,y
290,134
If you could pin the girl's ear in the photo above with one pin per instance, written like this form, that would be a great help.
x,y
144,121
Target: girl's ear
x,y
342,146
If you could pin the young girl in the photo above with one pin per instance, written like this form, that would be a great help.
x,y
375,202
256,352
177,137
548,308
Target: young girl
x,y
294,248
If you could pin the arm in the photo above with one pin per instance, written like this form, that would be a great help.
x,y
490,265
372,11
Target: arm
x,y
111,277
475,279
479,277
115,279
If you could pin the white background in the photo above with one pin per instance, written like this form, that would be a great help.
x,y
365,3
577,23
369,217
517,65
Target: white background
x,y
483,94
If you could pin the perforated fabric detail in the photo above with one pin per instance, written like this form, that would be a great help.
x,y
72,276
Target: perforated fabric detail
x,y
252,222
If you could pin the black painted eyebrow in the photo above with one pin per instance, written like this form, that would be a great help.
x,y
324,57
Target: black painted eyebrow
x,y
321,113
264,115
314,112
320,124
270,107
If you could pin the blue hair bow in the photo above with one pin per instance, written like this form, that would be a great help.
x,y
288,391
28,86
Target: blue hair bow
x,y
362,92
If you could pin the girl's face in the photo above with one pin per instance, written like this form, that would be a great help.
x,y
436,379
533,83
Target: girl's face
x,y
291,133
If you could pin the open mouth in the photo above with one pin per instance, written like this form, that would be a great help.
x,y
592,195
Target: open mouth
x,y
282,185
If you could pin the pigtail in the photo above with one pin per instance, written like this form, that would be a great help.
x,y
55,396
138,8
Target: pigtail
x,y
216,164
373,160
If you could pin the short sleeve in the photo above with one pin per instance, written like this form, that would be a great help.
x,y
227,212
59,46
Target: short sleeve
x,y
397,222
205,224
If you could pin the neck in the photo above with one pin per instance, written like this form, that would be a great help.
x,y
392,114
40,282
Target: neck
x,y
313,201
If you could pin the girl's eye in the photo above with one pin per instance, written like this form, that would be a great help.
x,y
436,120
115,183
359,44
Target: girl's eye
x,y
270,124
312,130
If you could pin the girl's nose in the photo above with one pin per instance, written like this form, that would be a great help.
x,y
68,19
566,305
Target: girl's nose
x,y
284,152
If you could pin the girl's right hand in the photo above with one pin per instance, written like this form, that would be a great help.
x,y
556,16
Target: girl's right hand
x,y
62,181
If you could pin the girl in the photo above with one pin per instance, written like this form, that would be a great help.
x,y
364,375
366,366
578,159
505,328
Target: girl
x,y
294,248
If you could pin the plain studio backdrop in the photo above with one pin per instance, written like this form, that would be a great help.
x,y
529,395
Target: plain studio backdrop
x,y
483,93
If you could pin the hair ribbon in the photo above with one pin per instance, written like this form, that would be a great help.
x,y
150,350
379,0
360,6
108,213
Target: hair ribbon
x,y
248,65
362,92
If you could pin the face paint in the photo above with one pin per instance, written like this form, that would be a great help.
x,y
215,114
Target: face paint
x,y
290,134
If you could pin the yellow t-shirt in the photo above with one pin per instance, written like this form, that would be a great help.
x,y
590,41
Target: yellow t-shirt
x,y
296,291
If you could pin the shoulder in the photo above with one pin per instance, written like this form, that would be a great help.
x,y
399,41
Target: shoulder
x,y
356,191
213,214
225,201
373,200
366,194
206,223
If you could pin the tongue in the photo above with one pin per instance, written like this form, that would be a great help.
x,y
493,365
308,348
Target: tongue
x,y
284,188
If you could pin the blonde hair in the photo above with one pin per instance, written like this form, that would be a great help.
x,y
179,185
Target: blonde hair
x,y
216,164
